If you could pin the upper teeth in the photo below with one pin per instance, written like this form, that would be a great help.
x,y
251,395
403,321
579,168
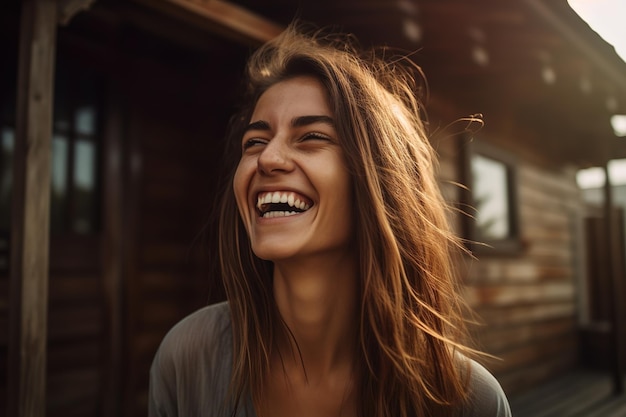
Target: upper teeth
x,y
281,197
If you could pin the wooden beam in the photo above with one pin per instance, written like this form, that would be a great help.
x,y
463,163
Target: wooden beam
x,y
221,17
113,247
616,75
31,211
67,9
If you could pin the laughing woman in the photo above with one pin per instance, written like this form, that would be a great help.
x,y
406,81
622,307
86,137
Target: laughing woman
x,y
335,255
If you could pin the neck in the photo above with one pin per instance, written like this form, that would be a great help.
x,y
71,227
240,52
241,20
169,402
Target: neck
x,y
317,299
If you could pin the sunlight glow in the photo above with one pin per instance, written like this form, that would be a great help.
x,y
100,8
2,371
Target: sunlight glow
x,y
606,17
618,122
590,178
594,177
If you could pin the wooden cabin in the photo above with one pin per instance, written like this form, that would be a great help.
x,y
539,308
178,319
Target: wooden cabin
x,y
123,105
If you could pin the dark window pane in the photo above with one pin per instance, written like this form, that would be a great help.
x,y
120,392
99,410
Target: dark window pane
x,y
74,179
61,125
85,122
7,141
84,186
62,109
59,196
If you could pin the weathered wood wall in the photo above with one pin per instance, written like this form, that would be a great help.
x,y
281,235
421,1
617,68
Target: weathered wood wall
x,y
173,133
75,327
76,336
529,303
115,293
176,103
526,301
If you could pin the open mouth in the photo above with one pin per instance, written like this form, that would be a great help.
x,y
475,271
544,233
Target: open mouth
x,y
281,204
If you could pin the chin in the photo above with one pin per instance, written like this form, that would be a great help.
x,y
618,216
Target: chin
x,y
273,252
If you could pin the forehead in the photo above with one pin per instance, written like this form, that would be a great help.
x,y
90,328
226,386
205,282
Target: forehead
x,y
297,96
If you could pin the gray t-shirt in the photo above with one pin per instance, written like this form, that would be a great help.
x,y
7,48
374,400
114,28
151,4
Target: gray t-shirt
x,y
191,370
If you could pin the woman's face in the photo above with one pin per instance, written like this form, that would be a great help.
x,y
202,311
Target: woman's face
x,y
292,185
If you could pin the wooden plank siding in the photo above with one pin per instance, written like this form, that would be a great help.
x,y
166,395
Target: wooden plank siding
x,y
113,295
527,301
76,336
173,134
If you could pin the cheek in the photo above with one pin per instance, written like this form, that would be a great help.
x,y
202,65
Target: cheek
x,y
341,185
348,199
344,181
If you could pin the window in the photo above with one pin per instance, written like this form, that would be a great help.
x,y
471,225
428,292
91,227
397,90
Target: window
x,y
6,175
75,154
491,224
7,144
74,177
6,171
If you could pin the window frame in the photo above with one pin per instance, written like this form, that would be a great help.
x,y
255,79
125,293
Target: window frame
x,y
476,243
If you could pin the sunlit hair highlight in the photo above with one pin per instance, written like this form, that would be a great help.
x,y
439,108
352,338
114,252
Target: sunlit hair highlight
x,y
411,326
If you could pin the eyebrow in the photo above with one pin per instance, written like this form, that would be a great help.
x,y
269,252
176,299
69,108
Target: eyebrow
x,y
295,122
309,120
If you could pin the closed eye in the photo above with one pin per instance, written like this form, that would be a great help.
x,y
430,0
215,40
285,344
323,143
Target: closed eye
x,y
314,136
249,143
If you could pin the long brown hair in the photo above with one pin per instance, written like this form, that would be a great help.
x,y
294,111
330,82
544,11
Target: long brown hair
x,y
411,318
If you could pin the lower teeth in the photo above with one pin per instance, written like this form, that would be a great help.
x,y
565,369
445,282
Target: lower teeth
x,y
272,214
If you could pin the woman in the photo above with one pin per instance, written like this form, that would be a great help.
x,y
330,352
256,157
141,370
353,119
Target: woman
x,y
335,255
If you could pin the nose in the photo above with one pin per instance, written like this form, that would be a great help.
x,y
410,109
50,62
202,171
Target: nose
x,y
275,158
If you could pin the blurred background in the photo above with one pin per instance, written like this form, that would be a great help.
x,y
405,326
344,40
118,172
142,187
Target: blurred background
x,y
112,114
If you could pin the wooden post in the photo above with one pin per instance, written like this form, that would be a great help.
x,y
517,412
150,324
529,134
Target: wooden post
x,y
113,247
31,210
615,270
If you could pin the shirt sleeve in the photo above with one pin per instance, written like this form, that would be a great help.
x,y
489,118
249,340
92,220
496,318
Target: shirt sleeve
x,y
162,389
486,398
190,373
